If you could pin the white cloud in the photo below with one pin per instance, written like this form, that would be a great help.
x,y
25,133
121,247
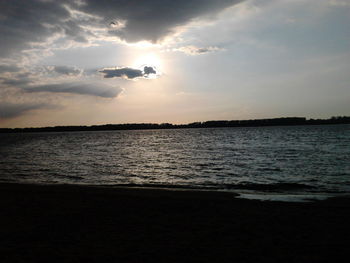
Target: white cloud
x,y
193,50
339,2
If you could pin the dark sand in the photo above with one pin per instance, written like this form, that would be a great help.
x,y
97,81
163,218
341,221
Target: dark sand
x,y
91,224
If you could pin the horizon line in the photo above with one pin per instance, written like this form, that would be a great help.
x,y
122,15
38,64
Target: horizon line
x,y
197,124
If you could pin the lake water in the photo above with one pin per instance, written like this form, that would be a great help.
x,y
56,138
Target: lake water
x,y
281,163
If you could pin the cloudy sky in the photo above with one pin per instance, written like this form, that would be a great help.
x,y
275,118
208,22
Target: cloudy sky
x,y
87,62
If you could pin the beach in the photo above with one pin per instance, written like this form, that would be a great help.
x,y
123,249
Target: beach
x,y
65,223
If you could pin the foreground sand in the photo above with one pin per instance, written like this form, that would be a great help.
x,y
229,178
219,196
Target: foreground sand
x,y
90,224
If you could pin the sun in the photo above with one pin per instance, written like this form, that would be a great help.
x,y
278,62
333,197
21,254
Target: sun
x,y
149,59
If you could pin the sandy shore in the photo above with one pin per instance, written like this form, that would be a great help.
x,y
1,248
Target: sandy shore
x,y
91,224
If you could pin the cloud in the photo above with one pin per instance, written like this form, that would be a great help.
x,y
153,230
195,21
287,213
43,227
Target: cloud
x,y
127,73
342,3
15,82
9,68
25,23
75,31
58,79
64,70
149,70
193,50
83,88
20,77
152,20
12,110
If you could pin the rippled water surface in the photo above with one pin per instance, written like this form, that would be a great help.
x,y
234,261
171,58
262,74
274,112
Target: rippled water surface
x,y
271,159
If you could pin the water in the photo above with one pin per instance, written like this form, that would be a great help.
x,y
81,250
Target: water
x,y
297,162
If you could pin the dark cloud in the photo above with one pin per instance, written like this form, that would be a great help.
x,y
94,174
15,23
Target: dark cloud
x,y
12,110
15,79
152,20
128,73
83,88
23,22
149,70
34,21
15,82
9,68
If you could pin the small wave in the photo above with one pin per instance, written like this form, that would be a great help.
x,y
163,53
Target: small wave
x,y
273,169
73,177
217,168
272,187
244,186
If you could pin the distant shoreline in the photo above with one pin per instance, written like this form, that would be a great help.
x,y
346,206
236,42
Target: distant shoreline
x,y
285,121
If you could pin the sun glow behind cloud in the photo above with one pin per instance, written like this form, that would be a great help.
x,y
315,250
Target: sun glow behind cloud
x,y
149,59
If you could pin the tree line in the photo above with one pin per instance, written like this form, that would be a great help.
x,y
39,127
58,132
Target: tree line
x,y
287,121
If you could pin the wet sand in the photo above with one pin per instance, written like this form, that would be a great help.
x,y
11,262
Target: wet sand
x,y
96,224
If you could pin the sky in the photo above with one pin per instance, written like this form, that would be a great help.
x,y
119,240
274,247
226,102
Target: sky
x,y
87,62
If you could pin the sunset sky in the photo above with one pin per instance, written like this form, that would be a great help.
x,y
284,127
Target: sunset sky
x,y
88,62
